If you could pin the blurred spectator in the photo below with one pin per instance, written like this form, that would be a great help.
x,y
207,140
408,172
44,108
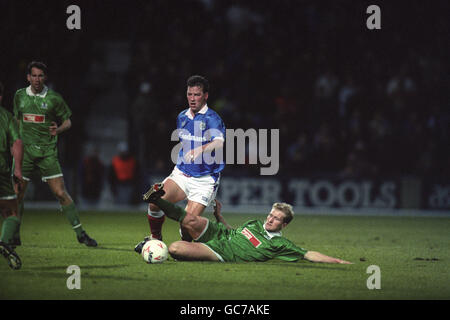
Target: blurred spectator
x,y
92,176
142,121
124,175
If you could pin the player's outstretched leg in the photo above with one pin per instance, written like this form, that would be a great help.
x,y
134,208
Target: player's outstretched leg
x,y
171,210
155,191
69,209
11,256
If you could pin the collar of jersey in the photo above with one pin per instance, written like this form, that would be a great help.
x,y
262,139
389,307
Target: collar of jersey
x,y
202,111
41,94
272,234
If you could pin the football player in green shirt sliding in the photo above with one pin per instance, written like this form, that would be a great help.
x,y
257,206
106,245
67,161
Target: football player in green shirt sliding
x,y
217,241
42,115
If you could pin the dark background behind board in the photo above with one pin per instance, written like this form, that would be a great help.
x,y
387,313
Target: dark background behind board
x,y
349,102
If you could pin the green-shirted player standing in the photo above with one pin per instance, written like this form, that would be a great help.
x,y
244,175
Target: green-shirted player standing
x,y
11,149
39,110
217,241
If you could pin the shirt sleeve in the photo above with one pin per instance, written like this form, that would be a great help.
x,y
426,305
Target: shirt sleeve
x,y
16,106
216,128
288,251
13,130
62,110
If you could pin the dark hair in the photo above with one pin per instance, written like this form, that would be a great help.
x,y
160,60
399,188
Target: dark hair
x,y
2,88
37,64
198,81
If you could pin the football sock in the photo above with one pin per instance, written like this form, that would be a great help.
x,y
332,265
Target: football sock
x,y
156,225
172,211
10,224
16,235
71,213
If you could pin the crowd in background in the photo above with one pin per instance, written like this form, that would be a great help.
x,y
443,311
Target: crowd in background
x,y
346,100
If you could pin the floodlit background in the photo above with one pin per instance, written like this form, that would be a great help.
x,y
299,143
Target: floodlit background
x,y
363,114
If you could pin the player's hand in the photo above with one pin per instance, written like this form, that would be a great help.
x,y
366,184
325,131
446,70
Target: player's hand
x,y
193,154
18,183
340,261
189,157
52,128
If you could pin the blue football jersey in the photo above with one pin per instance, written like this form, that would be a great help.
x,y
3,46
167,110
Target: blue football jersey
x,y
199,130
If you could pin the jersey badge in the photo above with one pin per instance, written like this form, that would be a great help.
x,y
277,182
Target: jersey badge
x,y
254,241
33,118
202,125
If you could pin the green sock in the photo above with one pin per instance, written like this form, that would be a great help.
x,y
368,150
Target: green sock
x,y
172,211
9,228
16,235
71,213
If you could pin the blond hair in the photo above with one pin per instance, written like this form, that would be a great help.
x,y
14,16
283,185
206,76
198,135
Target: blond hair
x,y
286,209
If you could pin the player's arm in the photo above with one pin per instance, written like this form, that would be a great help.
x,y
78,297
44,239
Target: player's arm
x,y
193,154
314,256
215,133
218,214
16,150
55,130
17,153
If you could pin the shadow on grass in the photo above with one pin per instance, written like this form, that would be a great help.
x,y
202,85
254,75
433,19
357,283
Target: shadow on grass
x,y
84,274
81,267
307,265
268,264
100,247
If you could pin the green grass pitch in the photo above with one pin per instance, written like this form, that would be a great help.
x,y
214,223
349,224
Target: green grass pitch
x,y
412,253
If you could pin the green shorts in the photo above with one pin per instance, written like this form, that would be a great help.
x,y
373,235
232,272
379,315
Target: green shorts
x,y
6,187
215,237
41,160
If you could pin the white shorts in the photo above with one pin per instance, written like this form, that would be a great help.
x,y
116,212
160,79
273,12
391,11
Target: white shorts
x,y
199,189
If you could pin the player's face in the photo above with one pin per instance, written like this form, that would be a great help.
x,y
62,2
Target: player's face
x,y
196,98
36,78
275,221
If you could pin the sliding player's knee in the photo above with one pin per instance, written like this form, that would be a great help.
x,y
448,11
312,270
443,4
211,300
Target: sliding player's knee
x,y
190,221
175,249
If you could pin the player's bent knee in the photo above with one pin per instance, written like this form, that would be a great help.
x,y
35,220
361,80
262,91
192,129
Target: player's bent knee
x,y
190,221
59,193
175,249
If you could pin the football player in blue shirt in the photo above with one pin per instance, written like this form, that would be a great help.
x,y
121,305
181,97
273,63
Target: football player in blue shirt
x,y
196,176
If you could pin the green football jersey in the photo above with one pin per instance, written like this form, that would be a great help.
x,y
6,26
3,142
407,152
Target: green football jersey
x,y
251,242
36,112
9,133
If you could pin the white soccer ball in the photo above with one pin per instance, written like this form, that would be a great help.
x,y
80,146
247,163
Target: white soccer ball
x,y
155,251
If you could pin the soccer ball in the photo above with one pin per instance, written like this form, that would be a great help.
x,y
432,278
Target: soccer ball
x,y
155,251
